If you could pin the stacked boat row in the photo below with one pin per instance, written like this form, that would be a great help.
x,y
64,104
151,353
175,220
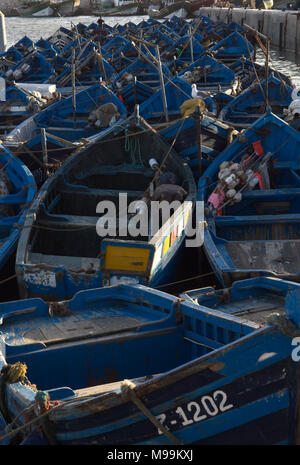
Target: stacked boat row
x,y
171,111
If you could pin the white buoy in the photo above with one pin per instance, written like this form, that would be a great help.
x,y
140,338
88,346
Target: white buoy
x,y
3,43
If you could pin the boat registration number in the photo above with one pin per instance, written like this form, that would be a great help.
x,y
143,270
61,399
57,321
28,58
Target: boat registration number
x,y
41,278
195,411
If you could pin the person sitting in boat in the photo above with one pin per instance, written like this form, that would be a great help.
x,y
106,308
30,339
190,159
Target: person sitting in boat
x,y
168,188
102,32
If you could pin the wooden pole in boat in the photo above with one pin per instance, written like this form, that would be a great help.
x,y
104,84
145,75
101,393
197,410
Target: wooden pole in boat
x,y
44,145
191,36
191,45
255,31
162,84
199,136
267,72
140,43
73,86
101,63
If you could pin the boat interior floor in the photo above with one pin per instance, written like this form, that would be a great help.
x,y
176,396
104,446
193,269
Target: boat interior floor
x,y
257,309
112,319
279,256
96,343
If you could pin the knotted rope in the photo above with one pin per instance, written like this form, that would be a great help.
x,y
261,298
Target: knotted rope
x,y
128,393
9,374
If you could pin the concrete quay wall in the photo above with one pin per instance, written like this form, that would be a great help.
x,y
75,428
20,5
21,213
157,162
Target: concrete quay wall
x,y
282,27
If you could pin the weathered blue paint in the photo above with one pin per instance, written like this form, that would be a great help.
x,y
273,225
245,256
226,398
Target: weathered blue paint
x,y
213,73
14,205
247,107
67,208
232,48
226,372
252,237
177,91
215,136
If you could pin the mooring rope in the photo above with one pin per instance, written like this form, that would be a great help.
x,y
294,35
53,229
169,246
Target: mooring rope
x,y
128,393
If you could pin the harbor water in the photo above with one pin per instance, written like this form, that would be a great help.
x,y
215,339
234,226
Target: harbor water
x,y
190,274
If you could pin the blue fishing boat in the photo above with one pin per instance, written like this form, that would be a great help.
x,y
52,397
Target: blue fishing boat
x,y
65,122
232,48
248,71
48,49
128,54
17,190
253,102
208,74
215,136
138,81
17,106
62,37
25,45
113,45
250,193
32,68
186,49
9,59
67,229
88,70
152,369
216,102
177,91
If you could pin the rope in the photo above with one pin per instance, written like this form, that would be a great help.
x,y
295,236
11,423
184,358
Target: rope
x,y
20,152
8,279
128,393
133,146
29,423
9,374
168,152
157,69
185,280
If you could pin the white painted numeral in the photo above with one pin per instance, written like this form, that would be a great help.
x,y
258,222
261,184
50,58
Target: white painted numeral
x,y
195,405
223,394
209,406
212,405
161,418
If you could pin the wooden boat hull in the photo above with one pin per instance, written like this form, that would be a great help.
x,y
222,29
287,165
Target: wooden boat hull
x,y
215,137
13,205
247,107
258,235
234,383
63,126
111,257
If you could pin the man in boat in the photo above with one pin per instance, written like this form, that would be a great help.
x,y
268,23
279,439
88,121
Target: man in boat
x,y
102,33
